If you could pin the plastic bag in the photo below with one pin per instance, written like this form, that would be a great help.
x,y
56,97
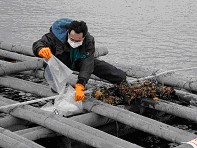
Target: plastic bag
x,y
57,74
65,104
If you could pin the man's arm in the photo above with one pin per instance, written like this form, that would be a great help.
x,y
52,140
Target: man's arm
x,y
47,40
86,69
87,64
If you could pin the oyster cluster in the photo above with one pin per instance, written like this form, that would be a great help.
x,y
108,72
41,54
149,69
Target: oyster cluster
x,y
126,94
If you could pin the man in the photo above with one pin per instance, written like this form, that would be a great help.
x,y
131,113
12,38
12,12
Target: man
x,y
72,44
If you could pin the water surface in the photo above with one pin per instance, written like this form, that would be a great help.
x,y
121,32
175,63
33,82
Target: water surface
x,y
153,33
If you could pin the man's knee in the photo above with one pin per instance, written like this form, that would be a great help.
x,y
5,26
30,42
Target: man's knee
x,y
108,72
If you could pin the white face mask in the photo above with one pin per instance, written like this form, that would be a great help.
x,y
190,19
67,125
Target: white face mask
x,y
74,44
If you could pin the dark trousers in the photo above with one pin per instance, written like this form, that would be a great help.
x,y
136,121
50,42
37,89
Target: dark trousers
x,y
108,72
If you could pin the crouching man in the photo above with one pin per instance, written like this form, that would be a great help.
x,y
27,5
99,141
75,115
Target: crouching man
x,y
72,44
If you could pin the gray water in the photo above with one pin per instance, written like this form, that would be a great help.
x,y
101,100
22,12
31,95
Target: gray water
x,y
152,33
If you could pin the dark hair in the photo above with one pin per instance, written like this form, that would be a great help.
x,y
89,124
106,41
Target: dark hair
x,y
78,27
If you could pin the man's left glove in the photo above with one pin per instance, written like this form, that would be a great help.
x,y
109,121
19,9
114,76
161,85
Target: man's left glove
x,y
79,94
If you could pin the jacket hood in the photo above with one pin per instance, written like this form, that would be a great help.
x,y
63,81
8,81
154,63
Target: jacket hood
x,y
60,28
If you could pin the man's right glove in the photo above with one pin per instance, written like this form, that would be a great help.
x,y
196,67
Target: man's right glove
x,y
45,53
79,94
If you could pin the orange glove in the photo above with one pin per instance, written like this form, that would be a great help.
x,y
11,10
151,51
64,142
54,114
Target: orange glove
x,y
79,94
45,53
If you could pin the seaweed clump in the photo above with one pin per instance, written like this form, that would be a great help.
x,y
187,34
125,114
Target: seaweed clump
x,y
126,94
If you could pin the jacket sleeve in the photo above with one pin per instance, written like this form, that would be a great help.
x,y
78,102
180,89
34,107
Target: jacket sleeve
x,y
87,64
47,40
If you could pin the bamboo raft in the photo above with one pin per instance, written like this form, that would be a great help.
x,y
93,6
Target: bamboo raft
x,y
82,127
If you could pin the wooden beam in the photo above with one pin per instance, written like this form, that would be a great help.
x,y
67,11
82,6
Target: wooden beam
x,y
10,139
142,123
68,127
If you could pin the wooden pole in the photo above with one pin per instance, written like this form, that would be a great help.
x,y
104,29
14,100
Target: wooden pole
x,y
184,146
37,72
139,122
36,133
26,86
18,138
175,80
90,119
189,97
9,121
21,66
27,50
173,108
11,106
186,96
7,142
163,74
39,132
15,56
68,127
39,89
31,87
45,91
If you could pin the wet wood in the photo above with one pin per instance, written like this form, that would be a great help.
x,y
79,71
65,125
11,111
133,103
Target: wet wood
x,y
9,121
184,146
7,142
27,50
21,66
11,106
173,109
39,132
175,80
26,86
162,74
68,127
9,139
186,96
162,79
139,122
15,56
90,119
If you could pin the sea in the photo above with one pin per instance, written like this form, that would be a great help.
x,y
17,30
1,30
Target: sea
x,y
159,34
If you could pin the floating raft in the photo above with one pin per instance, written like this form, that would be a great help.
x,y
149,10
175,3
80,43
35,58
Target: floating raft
x,y
17,59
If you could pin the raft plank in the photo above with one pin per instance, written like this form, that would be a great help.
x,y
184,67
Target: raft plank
x,y
139,122
27,50
15,140
21,66
67,127
173,109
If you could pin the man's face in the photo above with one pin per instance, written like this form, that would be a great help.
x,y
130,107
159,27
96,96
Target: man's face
x,y
76,37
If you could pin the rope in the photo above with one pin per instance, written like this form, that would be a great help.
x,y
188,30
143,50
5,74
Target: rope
x,y
11,106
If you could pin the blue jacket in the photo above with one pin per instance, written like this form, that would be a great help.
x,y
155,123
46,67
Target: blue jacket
x,y
81,57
